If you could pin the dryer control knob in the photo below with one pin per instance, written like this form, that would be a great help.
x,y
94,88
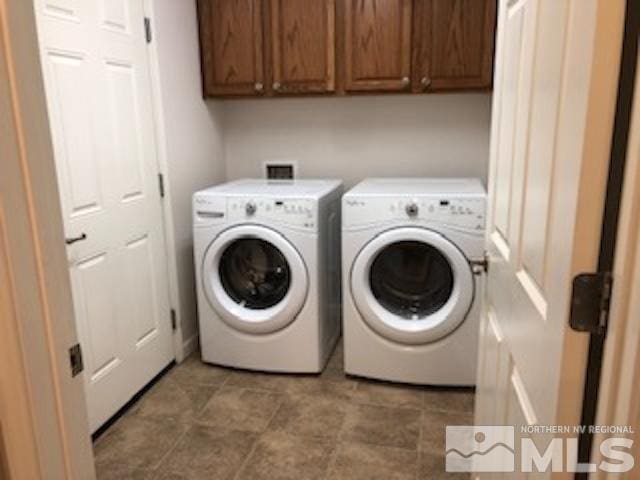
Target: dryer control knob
x,y
250,208
412,209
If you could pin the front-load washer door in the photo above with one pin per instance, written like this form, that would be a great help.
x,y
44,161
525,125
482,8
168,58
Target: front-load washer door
x,y
412,285
254,279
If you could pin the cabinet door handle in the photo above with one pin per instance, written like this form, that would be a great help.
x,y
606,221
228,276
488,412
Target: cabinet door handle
x,y
405,81
425,82
72,240
259,87
277,86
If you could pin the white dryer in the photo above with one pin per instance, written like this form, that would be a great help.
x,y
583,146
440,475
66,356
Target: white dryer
x,y
410,292
267,257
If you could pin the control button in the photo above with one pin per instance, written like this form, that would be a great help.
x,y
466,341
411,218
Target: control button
x,y
411,209
250,208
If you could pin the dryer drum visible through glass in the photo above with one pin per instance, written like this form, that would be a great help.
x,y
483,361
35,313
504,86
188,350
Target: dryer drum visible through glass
x,y
411,285
254,279
254,273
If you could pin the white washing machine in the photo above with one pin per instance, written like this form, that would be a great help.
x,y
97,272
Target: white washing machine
x,y
410,288
267,256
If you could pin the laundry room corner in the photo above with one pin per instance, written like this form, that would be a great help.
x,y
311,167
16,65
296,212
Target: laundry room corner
x,y
189,132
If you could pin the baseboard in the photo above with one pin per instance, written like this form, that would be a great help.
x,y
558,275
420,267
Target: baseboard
x,y
190,345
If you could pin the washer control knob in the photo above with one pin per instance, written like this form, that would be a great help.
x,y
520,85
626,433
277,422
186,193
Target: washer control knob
x,y
412,209
250,208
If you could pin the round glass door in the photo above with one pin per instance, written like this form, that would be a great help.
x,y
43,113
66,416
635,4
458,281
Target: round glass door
x,y
412,285
254,273
411,279
254,279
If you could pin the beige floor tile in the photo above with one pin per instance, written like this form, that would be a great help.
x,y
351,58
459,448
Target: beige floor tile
x,y
315,385
318,416
240,409
118,472
137,442
432,467
387,394
278,456
209,453
174,399
193,371
385,426
272,382
434,425
357,461
438,400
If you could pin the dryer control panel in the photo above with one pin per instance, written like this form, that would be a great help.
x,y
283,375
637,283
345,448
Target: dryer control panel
x,y
461,212
298,213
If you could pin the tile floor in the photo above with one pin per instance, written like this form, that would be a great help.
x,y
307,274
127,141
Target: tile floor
x,y
206,422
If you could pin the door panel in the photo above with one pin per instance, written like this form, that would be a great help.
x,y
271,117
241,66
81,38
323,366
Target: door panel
x,y
231,34
99,98
97,314
377,45
142,295
531,364
78,167
453,44
303,45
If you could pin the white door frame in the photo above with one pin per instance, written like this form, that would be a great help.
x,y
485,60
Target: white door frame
x,y
180,349
44,417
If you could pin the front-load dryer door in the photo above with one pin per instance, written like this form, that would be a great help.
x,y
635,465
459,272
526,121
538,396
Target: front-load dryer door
x,y
412,285
255,279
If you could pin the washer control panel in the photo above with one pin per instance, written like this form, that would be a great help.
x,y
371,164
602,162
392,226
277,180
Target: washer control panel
x,y
462,212
289,211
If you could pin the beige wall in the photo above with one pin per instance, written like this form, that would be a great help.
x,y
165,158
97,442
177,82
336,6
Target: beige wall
x,y
193,147
355,137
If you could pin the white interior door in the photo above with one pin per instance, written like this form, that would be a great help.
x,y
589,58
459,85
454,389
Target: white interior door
x,y
94,58
555,91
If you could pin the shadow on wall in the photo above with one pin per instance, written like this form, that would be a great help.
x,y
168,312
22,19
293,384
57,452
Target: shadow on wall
x,y
356,137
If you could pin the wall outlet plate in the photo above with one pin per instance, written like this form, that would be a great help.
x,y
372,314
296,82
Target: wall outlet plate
x,y
280,169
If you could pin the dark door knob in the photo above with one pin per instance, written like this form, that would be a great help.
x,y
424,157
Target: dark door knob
x,y
72,240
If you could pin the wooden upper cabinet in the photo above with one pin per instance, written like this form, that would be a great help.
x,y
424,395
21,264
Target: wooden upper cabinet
x,y
453,44
231,44
377,45
296,47
302,34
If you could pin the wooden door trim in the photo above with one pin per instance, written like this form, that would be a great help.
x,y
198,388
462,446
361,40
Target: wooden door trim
x,y
275,32
393,84
618,387
46,434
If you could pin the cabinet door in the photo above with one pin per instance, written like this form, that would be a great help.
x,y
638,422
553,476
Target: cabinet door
x,y
303,46
453,44
231,46
377,45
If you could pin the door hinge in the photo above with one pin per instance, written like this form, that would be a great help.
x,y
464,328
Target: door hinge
x,y
161,184
147,29
480,266
590,302
174,320
75,360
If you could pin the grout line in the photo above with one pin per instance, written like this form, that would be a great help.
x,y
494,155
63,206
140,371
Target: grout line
x,y
249,455
171,450
420,438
